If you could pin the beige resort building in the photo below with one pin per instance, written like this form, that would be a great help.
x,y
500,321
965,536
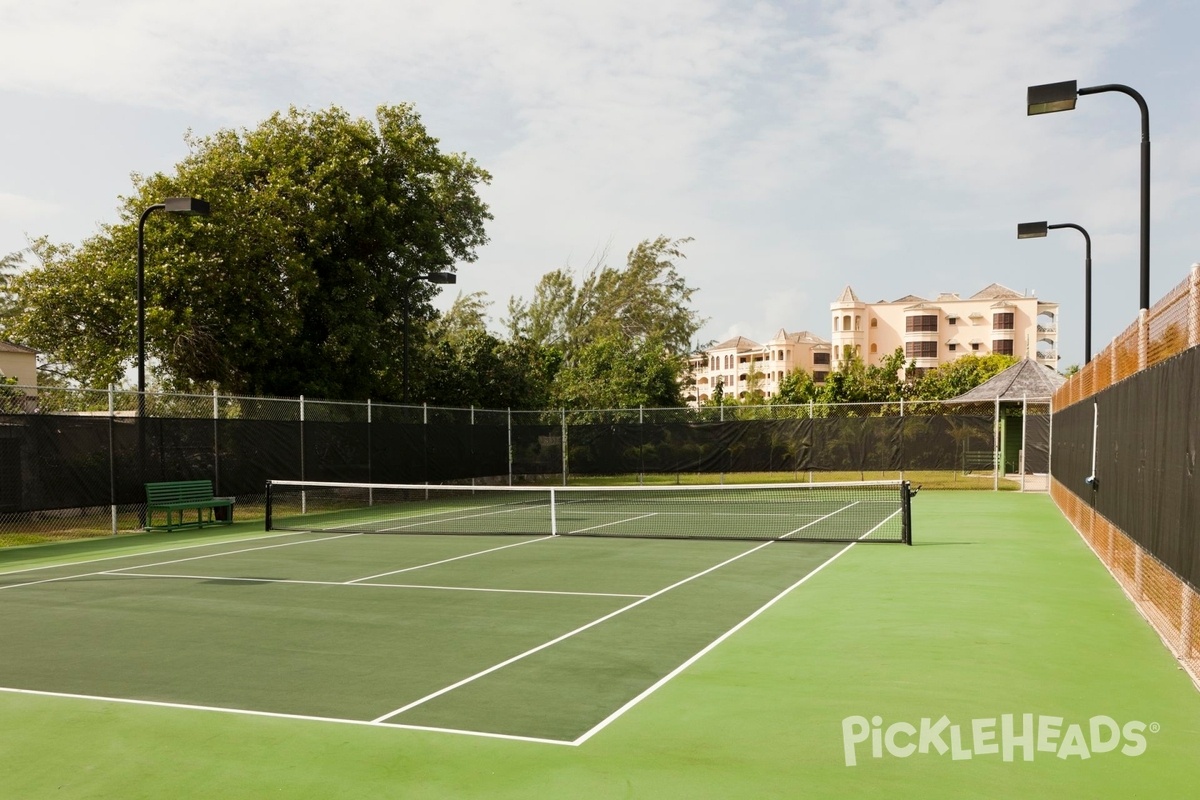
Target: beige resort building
x,y
742,366
995,319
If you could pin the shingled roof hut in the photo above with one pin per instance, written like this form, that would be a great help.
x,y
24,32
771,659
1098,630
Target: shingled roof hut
x,y
1021,395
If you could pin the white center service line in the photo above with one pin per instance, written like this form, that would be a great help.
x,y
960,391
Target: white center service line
x,y
448,560
593,624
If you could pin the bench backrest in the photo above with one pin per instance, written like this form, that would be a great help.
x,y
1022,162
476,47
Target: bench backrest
x,y
179,492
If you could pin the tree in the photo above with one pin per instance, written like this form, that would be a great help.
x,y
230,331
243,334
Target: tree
x,y
648,298
613,372
796,388
636,319
465,365
296,284
962,374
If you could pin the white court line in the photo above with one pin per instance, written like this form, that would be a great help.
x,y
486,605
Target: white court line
x,y
149,552
827,516
591,624
448,560
614,522
376,585
563,637
280,715
455,518
441,512
177,561
604,723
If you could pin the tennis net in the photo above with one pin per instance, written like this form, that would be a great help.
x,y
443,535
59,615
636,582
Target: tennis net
x,y
874,511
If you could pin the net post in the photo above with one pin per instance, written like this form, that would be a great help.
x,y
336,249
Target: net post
x,y
906,513
267,522
553,513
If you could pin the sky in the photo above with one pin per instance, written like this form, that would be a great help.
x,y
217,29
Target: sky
x,y
804,146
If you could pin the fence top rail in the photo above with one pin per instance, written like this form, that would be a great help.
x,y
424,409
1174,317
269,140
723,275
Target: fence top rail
x,y
57,400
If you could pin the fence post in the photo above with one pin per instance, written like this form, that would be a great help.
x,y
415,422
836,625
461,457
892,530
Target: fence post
x,y
1194,307
370,466
1143,334
112,466
1024,427
1050,447
565,466
901,438
1185,621
216,411
303,494
510,448
997,457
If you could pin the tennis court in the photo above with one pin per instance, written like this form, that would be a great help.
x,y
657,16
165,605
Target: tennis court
x,y
543,637
998,608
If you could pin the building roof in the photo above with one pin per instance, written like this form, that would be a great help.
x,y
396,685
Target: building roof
x,y
847,296
911,298
739,343
1026,378
9,347
798,337
996,291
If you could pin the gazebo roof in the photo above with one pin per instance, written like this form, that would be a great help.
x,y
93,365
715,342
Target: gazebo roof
x,y
1026,378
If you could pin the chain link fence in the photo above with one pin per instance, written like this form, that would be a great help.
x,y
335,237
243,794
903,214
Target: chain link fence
x,y
74,462
1122,469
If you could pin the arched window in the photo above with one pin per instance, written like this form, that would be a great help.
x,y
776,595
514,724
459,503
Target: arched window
x,y
846,322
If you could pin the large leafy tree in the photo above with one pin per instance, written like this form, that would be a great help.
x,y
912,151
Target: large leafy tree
x,y
621,335
321,225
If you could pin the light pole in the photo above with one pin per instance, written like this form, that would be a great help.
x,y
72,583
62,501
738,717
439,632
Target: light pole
x,y
432,277
1037,230
1050,97
185,206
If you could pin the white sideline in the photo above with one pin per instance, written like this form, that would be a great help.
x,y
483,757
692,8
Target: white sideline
x,y
593,624
604,723
150,552
175,561
281,715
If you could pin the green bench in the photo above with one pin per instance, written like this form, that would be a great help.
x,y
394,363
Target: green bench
x,y
177,497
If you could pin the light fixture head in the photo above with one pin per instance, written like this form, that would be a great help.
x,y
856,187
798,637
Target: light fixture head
x,y
1031,230
187,206
1050,97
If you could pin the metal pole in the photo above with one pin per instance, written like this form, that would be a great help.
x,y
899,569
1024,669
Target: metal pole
x,y
112,467
1024,427
1145,181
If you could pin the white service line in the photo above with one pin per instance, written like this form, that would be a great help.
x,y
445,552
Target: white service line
x,y
376,585
176,561
596,622
448,560
614,522
454,517
564,636
604,723
279,715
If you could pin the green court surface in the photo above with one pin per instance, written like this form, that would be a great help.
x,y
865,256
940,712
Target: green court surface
x,y
240,664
